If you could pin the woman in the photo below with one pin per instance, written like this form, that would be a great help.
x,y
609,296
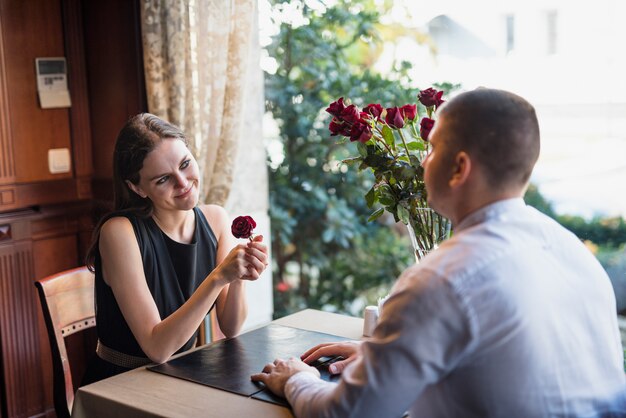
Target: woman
x,y
161,262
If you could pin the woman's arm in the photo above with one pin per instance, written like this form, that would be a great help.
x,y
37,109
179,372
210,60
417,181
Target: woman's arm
x,y
122,269
232,307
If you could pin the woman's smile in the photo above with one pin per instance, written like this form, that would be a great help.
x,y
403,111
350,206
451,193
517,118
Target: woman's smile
x,y
185,193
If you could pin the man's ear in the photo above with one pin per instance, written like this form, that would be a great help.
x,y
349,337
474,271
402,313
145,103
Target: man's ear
x,y
462,169
136,189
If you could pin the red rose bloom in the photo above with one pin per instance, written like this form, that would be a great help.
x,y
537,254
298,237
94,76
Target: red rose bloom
x,y
335,108
394,118
426,125
373,109
243,226
335,127
361,132
430,97
350,114
409,111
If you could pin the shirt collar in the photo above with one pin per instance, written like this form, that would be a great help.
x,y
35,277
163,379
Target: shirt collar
x,y
492,211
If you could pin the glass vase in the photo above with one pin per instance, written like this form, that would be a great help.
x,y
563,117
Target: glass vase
x,y
426,230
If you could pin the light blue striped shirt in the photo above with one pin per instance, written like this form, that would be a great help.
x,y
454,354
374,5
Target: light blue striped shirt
x,y
511,317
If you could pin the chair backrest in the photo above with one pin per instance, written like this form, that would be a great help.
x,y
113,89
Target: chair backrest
x,y
67,302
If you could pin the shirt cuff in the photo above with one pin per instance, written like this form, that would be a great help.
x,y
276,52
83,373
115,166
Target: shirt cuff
x,y
302,382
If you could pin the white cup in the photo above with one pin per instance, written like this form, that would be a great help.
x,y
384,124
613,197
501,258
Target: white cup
x,y
370,319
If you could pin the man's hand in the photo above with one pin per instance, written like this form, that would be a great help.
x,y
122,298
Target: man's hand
x,y
275,375
349,350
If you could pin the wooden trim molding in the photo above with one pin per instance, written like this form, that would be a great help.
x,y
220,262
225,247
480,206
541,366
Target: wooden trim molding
x,y
7,168
16,196
80,128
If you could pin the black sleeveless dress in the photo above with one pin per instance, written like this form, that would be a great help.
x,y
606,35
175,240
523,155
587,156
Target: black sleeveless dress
x,y
173,272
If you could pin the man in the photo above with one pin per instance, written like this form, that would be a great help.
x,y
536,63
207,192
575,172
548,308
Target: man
x,y
511,317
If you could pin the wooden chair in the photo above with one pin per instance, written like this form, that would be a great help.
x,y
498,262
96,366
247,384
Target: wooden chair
x,y
209,331
67,302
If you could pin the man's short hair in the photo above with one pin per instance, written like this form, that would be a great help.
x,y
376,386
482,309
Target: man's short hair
x,y
498,129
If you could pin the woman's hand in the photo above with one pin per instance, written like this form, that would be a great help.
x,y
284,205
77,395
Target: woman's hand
x,y
258,257
245,261
349,350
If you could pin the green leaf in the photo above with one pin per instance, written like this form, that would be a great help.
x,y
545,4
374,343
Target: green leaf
x,y
376,214
388,136
403,214
416,146
370,197
375,160
362,148
406,173
352,160
385,195
327,235
415,162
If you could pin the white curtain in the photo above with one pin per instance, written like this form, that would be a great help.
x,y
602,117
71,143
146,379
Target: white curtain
x,y
201,61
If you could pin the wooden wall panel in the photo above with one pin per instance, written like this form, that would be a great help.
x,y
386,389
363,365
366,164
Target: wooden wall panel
x,y
102,44
115,68
35,29
35,244
20,341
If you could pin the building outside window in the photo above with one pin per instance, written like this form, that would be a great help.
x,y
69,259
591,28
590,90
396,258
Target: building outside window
x,y
510,32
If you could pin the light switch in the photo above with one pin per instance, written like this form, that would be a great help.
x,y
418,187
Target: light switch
x,y
59,160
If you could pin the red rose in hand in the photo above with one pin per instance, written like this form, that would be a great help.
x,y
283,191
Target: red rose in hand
x,y
243,226
394,118
430,97
409,111
426,125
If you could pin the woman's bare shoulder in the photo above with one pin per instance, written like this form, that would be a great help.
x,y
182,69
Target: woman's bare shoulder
x,y
116,224
218,219
215,214
115,230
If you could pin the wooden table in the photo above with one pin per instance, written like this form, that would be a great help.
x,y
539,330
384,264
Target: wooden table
x,y
142,393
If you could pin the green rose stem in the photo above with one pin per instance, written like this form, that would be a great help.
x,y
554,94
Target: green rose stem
x,y
415,133
425,242
380,139
404,143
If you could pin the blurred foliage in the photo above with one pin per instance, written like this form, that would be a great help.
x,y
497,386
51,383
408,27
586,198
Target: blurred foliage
x,y
325,252
614,262
606,237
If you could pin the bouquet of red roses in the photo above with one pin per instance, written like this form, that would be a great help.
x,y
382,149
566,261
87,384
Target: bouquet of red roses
x,y
392,143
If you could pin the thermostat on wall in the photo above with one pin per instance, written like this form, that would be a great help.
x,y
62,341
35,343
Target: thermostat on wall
x,y
52,83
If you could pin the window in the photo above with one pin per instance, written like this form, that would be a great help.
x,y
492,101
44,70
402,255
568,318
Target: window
x,y
551,32
510,32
